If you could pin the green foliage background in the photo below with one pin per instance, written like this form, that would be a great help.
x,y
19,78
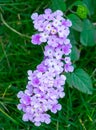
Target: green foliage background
x,y
17,55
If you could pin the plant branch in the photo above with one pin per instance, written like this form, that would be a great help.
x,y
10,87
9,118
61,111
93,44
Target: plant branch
x,y
12,29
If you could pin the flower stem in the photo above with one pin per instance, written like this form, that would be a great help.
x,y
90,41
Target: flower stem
x,y
12,29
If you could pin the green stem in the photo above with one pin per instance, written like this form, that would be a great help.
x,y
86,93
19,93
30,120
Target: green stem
x,y
12,29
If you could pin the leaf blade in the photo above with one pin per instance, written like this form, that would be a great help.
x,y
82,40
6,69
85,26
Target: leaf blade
x,y
87,36
81,81
58,5
77,24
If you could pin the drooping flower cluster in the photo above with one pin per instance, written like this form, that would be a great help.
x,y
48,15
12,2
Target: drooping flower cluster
x,y
46,83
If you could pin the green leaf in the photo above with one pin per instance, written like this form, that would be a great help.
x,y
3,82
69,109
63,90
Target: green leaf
x,y
74,36
76,3
69,79
80,80
82,11
58,4
75,54
87,37
91,5
77,24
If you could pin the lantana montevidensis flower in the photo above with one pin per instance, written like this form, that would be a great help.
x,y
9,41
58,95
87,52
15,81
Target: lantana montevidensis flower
x,y
46,84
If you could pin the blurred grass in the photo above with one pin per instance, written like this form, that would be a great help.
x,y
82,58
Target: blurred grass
x,y
17,55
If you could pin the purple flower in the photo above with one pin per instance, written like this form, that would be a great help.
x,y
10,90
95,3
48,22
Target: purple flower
x,y
59,81
20,94
34,16
25,99
55,108
48,14
25,117
42,68
35,81
48,27
53,30
48,11
63,31
44,36
68,67
66,41
58,53
67,23
46,83
59,13
21,107
49,51
67,60
66,49
36,39
56,23
53,41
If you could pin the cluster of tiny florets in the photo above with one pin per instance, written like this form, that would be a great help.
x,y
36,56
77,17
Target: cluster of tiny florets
x,y
46,83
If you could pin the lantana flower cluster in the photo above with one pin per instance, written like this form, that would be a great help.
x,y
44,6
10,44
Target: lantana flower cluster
x,y
46,84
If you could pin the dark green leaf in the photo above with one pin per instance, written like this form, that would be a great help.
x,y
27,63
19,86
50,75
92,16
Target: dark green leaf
x,y
58,4
87,37
91,4
78,3
74,36
77,24
69,79
80,80
75,54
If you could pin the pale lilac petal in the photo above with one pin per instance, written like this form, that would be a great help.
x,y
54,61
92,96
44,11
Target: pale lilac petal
x,y
48,11
34,16
20,94
25,117
37,123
